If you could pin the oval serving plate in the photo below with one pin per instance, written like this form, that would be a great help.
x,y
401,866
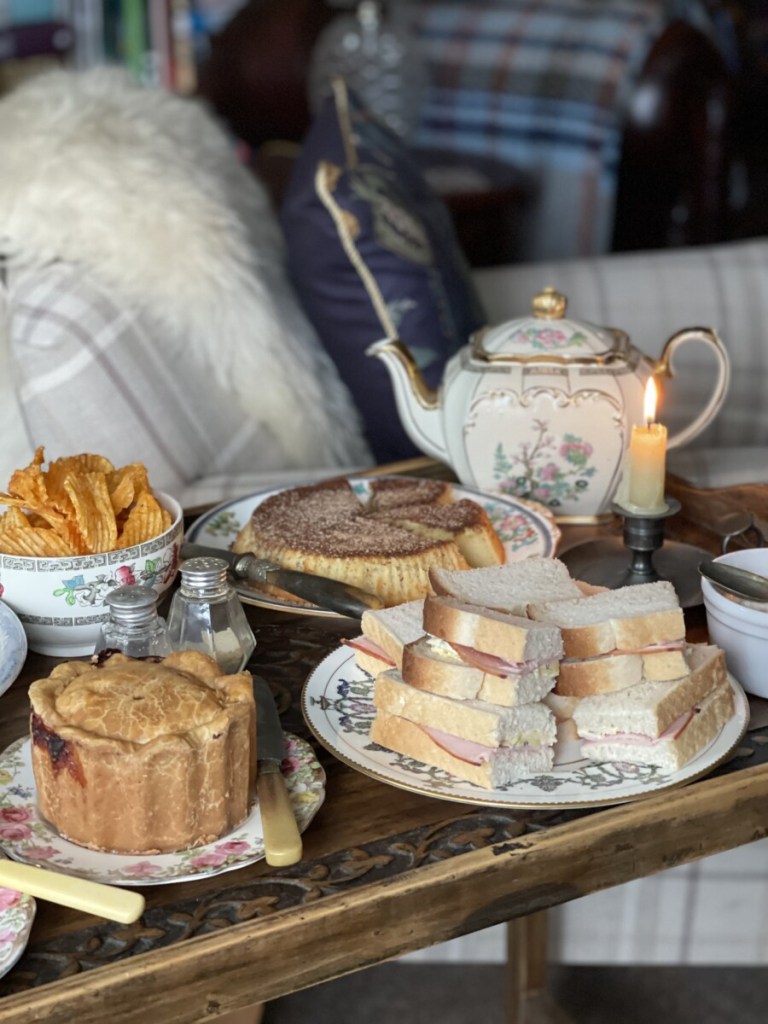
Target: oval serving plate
x,y
337,704
525,529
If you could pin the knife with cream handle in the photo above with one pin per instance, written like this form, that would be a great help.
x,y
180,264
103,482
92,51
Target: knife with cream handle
x,y
282,839
79,893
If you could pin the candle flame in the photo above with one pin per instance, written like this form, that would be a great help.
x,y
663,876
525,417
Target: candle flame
x,y
649,405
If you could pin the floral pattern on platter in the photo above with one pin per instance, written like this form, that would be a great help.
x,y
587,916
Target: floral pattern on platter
x,y
545,469
26,837
224,524
338,707
17,912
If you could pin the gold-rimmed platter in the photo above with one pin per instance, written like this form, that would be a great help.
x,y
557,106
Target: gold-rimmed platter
x,y
337,704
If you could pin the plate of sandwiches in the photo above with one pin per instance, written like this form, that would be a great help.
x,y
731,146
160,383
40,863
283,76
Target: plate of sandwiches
x,y
518,686
380,533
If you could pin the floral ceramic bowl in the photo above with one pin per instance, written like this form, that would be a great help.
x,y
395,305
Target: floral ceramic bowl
x,y
60,601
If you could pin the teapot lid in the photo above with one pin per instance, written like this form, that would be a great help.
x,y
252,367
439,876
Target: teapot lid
x,y
547,336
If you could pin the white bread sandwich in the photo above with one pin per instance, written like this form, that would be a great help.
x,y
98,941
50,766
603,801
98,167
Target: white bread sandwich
x,y
501,636
482,743
580,677
664,723
385,632
642,619
509,588
435,665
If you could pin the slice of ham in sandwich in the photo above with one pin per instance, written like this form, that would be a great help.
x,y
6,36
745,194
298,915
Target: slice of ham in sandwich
x,y
385,632
628,619
657,722
474,740
488,767
455,670
680,742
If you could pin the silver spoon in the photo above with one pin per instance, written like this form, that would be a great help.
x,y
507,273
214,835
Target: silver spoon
x,y
737,581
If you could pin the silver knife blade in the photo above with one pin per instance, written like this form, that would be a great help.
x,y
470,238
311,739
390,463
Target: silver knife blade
x,y
270,741
332,595
282,839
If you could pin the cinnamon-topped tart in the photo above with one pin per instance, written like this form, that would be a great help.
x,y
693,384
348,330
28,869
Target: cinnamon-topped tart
x,y
393,491
133,756
385,545
464,522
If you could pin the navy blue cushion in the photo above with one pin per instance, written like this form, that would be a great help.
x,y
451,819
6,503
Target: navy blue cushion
x,y
373,253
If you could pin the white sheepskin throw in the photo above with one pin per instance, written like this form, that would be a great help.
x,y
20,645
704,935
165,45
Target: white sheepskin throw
x,y
145,189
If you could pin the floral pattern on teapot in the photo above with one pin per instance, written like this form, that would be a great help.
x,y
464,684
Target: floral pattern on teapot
x,y
551,339
546,469
542,407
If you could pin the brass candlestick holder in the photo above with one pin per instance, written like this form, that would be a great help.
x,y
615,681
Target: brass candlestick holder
x,y
640,556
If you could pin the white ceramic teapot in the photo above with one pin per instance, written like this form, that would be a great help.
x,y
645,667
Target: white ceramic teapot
x,y
541,407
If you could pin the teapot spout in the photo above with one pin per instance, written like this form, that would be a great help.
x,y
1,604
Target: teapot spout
x,y
417,403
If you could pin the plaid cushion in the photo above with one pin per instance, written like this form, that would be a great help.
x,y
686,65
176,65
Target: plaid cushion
x,y
542,86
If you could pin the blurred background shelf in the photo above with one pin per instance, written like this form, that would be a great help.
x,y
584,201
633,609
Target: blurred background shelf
x,y
693,161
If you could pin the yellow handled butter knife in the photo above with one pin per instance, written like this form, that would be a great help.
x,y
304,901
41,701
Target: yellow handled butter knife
x,y
107,901
282,839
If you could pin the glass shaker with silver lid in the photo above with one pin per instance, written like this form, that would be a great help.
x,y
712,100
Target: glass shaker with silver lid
x,y
134,626
206,615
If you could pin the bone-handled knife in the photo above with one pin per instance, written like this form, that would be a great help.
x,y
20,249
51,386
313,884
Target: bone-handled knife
x,y
332,595
106,901
282,839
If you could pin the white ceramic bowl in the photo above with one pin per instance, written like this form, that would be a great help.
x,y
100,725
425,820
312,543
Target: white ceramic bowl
x,y
740,628
60,601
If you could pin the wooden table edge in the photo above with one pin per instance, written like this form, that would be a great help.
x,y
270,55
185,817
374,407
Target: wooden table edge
x,y
269,957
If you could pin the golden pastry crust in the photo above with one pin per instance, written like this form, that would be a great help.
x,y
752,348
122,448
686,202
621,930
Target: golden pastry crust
x,y
139,756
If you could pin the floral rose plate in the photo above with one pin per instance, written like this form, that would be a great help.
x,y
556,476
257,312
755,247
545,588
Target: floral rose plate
x,y
26,837
17,912
337,704
525,528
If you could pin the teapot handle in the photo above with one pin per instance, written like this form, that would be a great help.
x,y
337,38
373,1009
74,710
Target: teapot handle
x,y
664,368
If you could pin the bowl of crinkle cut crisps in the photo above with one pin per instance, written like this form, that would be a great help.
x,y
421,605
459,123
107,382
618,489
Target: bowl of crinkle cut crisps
x,y
71,532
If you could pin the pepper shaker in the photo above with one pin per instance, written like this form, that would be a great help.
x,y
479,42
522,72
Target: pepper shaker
x,y
206,615
134,626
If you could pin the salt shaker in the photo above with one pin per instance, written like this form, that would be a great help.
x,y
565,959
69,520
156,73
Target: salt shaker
x,y
206,615
134,626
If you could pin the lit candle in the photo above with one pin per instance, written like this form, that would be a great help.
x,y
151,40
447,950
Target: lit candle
x,y
647,456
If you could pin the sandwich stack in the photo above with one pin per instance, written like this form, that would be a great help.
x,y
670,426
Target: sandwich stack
x,y
480,677
634,690
466,694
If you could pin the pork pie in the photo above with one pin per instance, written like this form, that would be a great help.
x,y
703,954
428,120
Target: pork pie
x,y
135,756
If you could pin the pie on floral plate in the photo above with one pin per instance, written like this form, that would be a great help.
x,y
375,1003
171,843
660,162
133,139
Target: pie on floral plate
x,y
26,837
